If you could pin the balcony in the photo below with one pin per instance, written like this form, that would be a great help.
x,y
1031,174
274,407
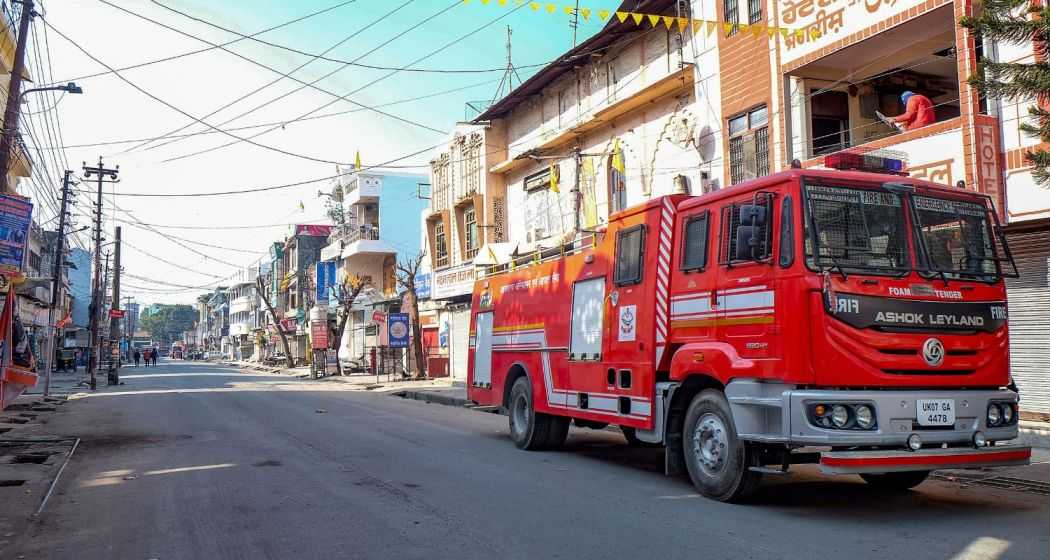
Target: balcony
x,y
654,86
348,240
836,99
362,189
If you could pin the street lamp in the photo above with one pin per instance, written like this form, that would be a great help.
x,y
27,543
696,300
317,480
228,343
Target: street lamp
x,y
71,87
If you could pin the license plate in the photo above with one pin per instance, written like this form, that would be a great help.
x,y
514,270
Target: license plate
x,y
935,412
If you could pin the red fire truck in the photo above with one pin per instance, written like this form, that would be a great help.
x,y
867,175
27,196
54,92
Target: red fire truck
x,y
851,317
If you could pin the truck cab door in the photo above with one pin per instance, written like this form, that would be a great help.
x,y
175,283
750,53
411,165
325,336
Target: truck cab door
x,y
745,296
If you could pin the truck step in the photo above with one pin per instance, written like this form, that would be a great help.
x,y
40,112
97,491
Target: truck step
x,y
768,470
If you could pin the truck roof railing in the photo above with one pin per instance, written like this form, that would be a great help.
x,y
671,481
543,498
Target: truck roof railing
x,y
583,240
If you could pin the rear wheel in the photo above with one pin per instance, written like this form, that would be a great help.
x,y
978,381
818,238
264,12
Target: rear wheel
x,y
896,480
716,459
557,431
529,429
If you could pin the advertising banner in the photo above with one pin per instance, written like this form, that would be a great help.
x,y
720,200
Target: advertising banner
x,y
325,280
15,215
423,285
398,330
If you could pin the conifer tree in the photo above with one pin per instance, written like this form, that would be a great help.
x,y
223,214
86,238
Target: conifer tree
x,y
1020,22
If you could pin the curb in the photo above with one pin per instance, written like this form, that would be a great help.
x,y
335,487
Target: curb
x,y
1036,434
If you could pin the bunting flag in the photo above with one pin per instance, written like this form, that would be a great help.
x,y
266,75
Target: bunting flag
x,y
654,20
617,157
555,177
357,160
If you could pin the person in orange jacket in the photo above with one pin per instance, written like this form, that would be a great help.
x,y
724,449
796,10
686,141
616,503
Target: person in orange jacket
x,y
918,111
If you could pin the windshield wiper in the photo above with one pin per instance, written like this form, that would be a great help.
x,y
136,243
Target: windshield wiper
x,y
837,265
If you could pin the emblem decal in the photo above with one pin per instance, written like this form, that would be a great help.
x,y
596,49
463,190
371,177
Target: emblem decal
x,y
933,352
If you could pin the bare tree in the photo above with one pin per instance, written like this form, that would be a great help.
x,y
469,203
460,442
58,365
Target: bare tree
x,y
348,292
406,278
260,287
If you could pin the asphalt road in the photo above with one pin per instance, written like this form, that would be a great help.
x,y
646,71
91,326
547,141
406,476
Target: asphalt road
x,y
204,461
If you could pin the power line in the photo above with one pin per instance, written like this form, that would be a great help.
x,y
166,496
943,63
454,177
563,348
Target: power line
x,y
369,84
282,123
165,261
192,242
198,51
281,75
178,110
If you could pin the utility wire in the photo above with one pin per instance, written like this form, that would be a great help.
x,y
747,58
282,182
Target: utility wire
x,y
282,123
281,75
180,111
369,84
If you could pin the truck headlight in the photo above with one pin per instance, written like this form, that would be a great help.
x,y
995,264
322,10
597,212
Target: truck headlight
x,y
865,417
1008,414
839,416
994,414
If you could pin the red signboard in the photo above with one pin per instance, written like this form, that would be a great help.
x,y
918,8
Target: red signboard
x,y
378,317
116,313
319,335
288,325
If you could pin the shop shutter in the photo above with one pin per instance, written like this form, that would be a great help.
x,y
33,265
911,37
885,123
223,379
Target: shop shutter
x,y
1029,309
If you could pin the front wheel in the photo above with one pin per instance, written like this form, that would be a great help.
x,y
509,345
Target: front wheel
x,y
898,481
718,462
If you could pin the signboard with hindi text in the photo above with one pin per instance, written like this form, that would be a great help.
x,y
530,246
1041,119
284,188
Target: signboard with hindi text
x,y
820,23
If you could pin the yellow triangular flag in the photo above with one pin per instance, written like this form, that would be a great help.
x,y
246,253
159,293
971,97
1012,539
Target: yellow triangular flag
x,y
302,207
668,21
727,27
697,25
653,20
485,2
357,160
622,16
637,18
682,24
772,32
800,35
758,30
742,28
785,32
502,2
586,13
711,25
569,10
604,15
555,177
535,6
551,8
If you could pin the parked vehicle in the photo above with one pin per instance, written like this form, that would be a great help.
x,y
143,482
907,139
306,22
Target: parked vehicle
x,y
853,317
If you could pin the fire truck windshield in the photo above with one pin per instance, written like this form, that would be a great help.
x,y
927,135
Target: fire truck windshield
x,y
862,230
856,230
956,238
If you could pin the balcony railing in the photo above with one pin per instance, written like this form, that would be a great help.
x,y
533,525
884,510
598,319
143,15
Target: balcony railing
x,y
348,233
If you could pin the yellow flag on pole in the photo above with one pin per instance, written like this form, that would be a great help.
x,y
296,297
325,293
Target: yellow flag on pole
x,y
555,172
617,157
654,20
357,160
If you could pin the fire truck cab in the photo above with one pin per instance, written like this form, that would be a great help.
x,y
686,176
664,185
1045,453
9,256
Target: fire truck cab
x,y
851,317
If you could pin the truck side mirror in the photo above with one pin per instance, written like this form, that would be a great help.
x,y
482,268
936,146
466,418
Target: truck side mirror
x,y
751,232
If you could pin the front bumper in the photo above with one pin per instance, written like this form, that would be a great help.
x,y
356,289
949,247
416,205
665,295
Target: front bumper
x,y
777,413
857,462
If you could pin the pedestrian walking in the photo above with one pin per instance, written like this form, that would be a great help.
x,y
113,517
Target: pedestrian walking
x,y
153,354
145,356
136,356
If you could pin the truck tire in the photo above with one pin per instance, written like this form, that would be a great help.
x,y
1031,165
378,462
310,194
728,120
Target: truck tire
x,y
718,462
898,481
557,431
530,430
632,438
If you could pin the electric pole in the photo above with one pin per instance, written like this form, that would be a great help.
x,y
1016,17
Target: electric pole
x,y
114,322
14,88
101,172
56,282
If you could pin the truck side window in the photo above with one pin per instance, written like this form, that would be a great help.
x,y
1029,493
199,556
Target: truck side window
x,y
694,242
787,233
630,248
756,223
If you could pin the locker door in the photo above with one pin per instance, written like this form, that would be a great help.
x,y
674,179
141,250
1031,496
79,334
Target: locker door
x,y
483,348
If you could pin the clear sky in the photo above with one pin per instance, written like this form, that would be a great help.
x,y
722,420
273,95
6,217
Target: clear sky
x,y
111,109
